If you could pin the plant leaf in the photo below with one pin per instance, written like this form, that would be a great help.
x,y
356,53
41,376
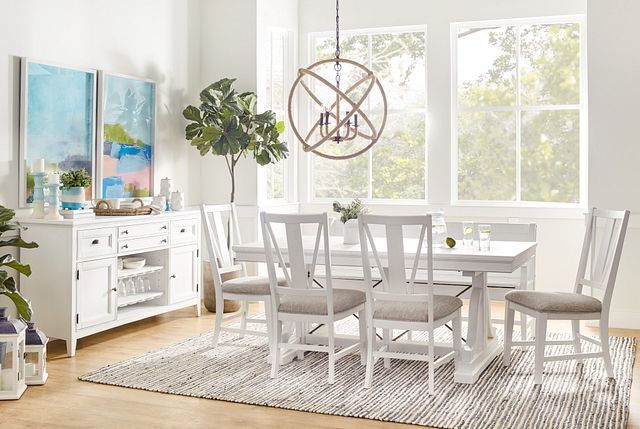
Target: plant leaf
x,y
192,113
18,242
22,305
11,262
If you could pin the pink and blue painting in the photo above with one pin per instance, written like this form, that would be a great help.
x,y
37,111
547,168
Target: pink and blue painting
x,y
128,136
58,111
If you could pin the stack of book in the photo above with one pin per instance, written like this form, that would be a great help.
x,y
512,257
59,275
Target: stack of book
x,y
77,214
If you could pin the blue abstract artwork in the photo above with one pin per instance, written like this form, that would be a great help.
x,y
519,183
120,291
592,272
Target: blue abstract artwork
x,y
128,137
58,113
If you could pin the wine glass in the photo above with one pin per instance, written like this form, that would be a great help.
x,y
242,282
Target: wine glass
x,y
139,285
147,284
131,286
122,290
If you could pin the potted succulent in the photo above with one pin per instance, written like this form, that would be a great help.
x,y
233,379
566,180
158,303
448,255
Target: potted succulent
x,y
74,183
349,217
8,286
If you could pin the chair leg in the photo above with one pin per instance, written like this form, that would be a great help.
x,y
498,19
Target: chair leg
x,y
269,319
509,315
541,335
275,347
218,324
244,310
362,322
386,336
371,342
332,351
523,327
606,352
431,360
575,330
300,339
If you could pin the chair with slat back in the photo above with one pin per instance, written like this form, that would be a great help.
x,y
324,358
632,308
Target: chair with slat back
x,y
597,270
221,260
303,302
399,305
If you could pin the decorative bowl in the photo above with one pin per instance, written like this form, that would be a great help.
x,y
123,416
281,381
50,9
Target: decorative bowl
x,y
134,263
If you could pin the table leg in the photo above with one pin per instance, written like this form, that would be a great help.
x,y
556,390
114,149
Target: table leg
x,y
481,345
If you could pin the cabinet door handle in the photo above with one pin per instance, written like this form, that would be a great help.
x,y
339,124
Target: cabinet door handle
x,y
164,227
94,242
126,231
173,276
125,246
183,230
164,240
114,289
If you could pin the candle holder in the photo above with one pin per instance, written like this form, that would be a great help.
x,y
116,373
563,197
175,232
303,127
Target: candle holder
x,y
54,202
38,195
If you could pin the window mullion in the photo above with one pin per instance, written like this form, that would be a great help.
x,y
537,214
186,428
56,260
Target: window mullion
x,y
370,152
518,118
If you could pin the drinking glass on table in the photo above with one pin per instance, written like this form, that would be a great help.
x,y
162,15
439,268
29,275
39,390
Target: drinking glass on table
x,y
468,228
484,234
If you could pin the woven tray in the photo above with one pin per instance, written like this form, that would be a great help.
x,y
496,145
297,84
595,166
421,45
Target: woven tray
x,y
103,208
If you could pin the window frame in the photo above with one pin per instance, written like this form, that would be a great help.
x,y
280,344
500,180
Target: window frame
x,y
312,36
582,108
287,69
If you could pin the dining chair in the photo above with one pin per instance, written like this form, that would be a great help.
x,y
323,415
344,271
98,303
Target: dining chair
x,y
303,302
398,302
244,288
597,270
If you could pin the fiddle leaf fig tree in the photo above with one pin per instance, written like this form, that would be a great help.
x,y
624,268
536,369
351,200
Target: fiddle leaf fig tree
x,y
226,124
7,282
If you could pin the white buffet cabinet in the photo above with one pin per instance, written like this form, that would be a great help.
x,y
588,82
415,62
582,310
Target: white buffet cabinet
x,y
74,288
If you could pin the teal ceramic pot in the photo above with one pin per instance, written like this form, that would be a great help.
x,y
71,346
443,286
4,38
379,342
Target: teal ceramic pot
x,y
73,198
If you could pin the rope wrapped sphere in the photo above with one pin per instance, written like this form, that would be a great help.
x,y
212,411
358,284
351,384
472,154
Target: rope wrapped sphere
x,y
313,141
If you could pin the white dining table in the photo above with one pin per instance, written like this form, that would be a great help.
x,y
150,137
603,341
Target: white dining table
x,y
481,344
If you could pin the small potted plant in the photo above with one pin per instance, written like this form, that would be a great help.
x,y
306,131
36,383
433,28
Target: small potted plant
x,y
74,183
349,217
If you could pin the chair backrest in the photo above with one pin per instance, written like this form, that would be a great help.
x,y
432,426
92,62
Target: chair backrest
x,y
601,250
389,256
298,263
220,239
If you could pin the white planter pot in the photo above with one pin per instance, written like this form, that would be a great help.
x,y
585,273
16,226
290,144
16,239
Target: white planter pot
x,y
351,234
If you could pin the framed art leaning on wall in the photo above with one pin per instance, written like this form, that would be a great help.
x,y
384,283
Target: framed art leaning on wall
x,y
57,121
126,136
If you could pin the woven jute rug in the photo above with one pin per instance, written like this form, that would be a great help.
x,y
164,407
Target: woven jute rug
x,y
572,395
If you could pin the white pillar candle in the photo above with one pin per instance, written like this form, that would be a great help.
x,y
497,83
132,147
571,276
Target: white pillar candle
x,y
30,369
6,379
53,178
38,166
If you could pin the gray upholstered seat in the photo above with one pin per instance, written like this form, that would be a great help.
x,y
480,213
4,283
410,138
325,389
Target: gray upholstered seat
x,y
343,300
554,302
410,311
250,285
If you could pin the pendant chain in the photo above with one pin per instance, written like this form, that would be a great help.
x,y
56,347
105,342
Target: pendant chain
x,y
337,67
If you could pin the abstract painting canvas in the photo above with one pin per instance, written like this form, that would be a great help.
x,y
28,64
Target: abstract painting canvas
x,y
57,111
128,134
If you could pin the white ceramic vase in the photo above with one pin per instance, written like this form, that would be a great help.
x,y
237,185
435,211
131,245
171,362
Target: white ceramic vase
x,y
351,234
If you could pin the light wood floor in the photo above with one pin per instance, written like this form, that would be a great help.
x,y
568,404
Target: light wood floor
x,y
67,402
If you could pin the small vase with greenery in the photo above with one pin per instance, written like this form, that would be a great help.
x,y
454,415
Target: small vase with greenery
x,y
226,124
74,183
348,216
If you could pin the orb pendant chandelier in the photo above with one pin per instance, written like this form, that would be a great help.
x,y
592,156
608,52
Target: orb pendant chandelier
x,y
341,119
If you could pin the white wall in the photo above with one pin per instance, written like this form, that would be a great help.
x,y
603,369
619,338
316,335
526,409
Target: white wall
x,y
156,39
614,140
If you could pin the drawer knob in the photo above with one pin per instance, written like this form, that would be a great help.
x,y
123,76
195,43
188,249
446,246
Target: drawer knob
x,y
183,230
164,227
94,242
173,276
125,246
164,240
114,289
126,231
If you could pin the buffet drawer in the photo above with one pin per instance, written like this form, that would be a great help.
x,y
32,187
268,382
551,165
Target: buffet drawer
x,y
143,243
96,242
142,229
184,231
